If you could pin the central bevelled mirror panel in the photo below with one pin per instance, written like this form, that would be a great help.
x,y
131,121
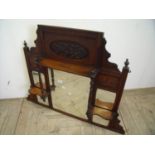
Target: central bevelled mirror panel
x,y
71,93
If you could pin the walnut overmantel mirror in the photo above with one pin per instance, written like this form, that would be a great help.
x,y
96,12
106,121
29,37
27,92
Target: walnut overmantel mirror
x,y
68,69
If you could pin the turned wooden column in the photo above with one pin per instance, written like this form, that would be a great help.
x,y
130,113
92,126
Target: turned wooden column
x,y
114,123
119,93
27,53
48,88
52,78
92,94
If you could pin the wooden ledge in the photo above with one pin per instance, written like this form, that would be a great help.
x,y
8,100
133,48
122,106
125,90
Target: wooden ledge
x,y
103,105
83,70
106,114
37,91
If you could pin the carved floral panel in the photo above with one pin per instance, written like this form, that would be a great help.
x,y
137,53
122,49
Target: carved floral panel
x,y
68,49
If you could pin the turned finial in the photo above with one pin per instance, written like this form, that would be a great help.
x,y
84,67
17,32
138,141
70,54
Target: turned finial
x,y
25,44
126,63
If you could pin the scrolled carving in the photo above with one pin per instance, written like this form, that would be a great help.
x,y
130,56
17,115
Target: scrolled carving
x,y
106,56
69,49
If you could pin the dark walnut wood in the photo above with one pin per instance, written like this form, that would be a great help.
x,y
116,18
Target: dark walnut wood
x,y
79,52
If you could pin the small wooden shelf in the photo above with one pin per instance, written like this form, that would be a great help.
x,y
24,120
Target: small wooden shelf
x,y
103,109
106,114
37,91
103,105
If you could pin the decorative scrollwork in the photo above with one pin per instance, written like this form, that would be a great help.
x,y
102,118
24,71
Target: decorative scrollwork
x,y
69,49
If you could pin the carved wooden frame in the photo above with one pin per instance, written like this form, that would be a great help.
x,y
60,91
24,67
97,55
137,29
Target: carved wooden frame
x,y
85,51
